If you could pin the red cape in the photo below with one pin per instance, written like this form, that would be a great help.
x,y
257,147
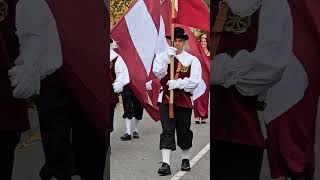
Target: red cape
x,y
83,28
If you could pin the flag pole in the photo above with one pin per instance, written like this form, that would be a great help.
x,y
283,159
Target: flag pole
x,y
171,102
219,26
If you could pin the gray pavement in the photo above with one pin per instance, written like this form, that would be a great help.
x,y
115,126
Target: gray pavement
x,y
139,159
135,160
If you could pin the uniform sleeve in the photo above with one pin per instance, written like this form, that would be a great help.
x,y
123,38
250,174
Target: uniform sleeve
x,y
122,74
188,84
160,65
255,72
38,36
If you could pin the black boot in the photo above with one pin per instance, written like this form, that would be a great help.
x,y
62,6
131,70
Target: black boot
x,y
164,169
45,175
92,177
126,137
135,135
55,178
185,165
64,178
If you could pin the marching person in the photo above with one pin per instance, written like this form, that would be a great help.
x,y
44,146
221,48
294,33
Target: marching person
x,y
119,73
187,77
249,59
205,47
13,109
71,100
132,109
25,24
131,105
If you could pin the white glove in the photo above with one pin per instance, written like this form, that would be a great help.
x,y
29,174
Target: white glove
x,y
217,68
25,79
172,51
149,85
173,84
117,88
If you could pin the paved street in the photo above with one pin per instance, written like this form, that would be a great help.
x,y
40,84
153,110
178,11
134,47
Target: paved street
x,y
140,159
136,159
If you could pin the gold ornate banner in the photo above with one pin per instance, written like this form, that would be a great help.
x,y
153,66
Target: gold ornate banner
x,y
117,9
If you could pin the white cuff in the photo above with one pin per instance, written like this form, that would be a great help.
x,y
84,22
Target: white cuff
x,y
217,68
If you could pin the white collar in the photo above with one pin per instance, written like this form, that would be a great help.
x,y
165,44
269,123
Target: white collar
x,y
244,8
185,58
113,55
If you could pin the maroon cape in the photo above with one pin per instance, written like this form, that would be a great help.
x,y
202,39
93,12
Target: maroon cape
x,y
234,117
84,34
13,112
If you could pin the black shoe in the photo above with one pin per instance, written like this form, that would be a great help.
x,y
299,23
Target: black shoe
x,y
45,175
185,166
56,178
92,177
64,178
135,135
126,137
164,170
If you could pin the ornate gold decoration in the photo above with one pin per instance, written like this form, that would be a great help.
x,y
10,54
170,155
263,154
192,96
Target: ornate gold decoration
x,y
117,9
184,69
237,24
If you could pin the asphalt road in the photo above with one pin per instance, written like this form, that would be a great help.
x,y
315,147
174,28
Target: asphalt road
x,y
139,159
135,160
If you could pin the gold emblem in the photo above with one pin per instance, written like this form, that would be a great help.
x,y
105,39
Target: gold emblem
x,y
184,69
237,24
3,10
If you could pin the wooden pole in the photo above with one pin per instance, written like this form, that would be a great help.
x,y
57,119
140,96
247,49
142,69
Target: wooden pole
x,y
219,26
171,102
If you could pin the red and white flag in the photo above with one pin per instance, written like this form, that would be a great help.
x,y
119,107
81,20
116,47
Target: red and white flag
x,y
137,34
141,35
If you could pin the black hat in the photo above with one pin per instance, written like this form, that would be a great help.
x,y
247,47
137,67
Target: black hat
x,y
179,33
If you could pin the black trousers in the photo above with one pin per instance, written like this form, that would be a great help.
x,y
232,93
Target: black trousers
x,y
131,105
113,107
71,145
232,161
8,143
181,123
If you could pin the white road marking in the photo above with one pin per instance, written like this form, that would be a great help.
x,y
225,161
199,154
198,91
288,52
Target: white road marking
x,y
180,174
